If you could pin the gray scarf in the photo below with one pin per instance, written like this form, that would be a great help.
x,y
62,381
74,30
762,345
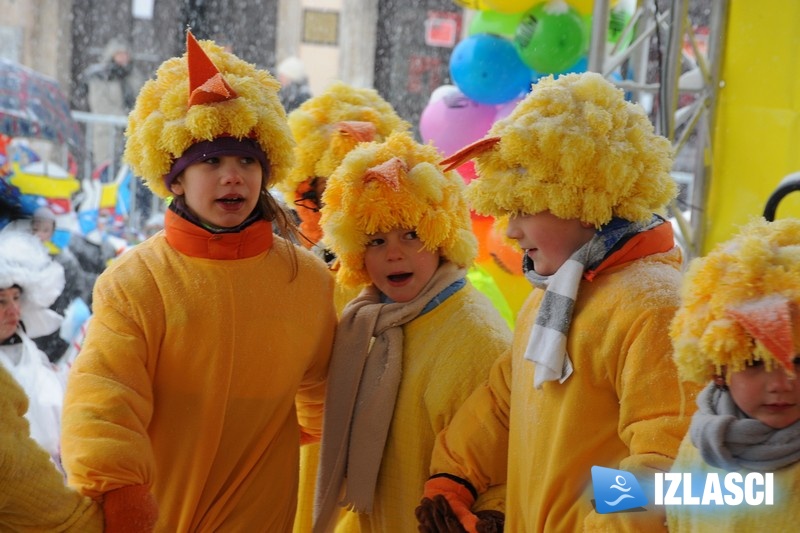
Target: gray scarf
x,y
729,439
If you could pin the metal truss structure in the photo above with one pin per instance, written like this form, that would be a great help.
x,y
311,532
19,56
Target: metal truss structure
x,y
670,72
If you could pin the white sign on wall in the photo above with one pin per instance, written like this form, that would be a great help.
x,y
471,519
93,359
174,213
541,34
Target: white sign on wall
x,y
142,9
11,37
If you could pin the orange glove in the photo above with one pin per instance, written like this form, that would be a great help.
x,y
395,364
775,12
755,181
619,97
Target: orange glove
x,y
130,509
459,496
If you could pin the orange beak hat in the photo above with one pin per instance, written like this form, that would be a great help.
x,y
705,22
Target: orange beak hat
x,y
741,303
207,103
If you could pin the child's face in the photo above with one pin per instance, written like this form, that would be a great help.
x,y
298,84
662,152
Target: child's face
x,y
548,240
43,228
10,300
768,396
398,264
221,191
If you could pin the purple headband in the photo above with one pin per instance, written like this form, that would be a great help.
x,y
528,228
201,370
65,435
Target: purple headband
x,y
218,147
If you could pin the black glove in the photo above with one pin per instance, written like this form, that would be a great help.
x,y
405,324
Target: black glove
x,y
490,521
436,516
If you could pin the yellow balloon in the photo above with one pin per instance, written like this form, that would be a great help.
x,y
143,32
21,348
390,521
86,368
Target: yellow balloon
x,y
477,5
584,7
511,6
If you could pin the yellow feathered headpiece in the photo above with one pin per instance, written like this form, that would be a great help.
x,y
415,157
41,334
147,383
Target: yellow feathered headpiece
x,y
396,184
575,147
206,94
741,303
327,126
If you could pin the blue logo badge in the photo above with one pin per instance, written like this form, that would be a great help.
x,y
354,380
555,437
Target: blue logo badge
x,y
616,490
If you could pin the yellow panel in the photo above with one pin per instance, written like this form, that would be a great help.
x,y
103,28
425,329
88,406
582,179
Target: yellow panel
x,y
46,186
757,134
108,195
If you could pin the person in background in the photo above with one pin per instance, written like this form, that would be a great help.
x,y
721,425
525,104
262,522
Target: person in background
x,y
415,342
294,83
29,283
737,332
33,496
111,85
204,365
78,281
582,181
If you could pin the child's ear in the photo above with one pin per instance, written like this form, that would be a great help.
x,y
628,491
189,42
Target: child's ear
x,y
176,187
587,225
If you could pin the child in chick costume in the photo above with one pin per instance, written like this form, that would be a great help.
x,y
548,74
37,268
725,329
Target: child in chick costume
x,y
326,127
738,332
415,342
578,175
204,366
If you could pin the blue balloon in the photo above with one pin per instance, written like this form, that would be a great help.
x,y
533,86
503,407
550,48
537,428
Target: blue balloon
x,y
487,69
578,67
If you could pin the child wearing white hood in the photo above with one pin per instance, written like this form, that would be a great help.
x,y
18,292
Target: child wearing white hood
x,y
29,283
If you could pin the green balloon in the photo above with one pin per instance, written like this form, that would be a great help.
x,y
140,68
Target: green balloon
x,y
617,20
503,24
550,42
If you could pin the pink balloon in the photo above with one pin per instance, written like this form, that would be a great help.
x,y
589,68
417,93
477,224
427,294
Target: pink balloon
x,y
452,121
503,110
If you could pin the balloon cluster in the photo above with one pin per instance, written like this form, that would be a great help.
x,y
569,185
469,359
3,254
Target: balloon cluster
x,y
509,45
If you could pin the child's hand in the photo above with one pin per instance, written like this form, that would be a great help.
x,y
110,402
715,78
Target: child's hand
x,y
490,521
436,516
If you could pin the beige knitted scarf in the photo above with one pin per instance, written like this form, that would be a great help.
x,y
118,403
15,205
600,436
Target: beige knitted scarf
x,y
363,381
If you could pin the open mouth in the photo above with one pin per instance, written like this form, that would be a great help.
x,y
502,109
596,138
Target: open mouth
x,y
399,278
231,203
231,200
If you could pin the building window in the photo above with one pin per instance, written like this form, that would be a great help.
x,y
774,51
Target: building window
x,y
320,27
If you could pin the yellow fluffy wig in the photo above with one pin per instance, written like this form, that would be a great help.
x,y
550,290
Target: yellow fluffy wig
x,y
575,147
319,149
396,184
162,125
759,264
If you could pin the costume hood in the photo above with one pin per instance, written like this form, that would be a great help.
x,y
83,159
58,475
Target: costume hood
x,y
575,147
206,94
395,184
741,303
329,125
24,261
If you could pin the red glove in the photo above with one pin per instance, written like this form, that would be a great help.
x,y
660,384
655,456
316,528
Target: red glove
x,y
130,509
433,512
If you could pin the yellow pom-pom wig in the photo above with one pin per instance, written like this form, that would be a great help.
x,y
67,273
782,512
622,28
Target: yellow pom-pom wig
x,y
163,125
728,316
396,184
575,147
321,145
